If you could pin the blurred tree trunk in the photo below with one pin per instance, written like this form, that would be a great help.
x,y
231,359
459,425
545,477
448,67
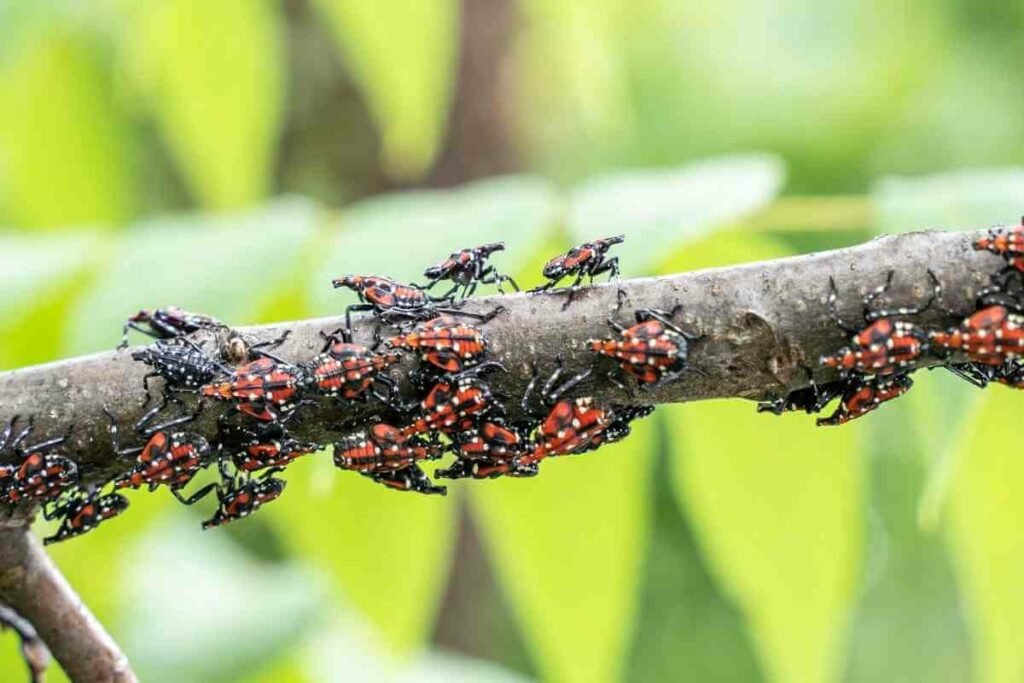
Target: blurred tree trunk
x,y
478,142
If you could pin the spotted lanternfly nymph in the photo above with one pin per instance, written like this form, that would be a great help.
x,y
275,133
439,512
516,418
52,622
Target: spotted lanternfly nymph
x,y
467,269
811,399
349,370
167,323
184,367
863,395
653,350
990,336
169,457
586,260
444,343
39,476
383,448
264,389
392,302
263,446
80,513
490,449
883,347
568,425
1006,241
451,402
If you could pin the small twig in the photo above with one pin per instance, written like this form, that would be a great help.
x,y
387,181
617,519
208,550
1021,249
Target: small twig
x,y
33,649
32,585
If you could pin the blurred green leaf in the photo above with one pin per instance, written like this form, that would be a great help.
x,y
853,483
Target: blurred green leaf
x,y
387,552
567,548
204,610
685,623
227,266
776,505
660,209
908,624
400,235
42,279
212,74
986,534
62,152
960,200
403,55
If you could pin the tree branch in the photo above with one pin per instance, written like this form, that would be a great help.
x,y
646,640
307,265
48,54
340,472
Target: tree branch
x,y
762,325
32,585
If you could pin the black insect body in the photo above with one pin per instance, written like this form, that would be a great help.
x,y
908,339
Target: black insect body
x,y
184,367
82,512
168,323
467,269
811,399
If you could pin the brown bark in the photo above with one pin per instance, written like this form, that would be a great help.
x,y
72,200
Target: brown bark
x,y
30,583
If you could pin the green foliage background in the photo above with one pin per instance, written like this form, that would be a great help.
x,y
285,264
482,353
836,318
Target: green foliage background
x,y
162,152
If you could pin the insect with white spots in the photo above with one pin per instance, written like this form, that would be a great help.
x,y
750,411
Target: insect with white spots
x,y
654,350
468,268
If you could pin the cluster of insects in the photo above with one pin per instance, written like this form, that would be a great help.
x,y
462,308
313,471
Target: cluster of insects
x,y
875,366
453,409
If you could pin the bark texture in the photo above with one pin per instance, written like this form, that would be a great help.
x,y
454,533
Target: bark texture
x,y
30,583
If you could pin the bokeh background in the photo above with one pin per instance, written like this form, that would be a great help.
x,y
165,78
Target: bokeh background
x,y
232,156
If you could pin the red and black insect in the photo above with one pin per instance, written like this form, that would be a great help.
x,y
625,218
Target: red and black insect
x,y
885,346
349,370
620,426
265,389
82,512
262,446
453,402
1006,241
392,302
184,367
168,323
39,476
468,268
865,394
486,468
383,448
169,457
990,336
444,343
586,260
653,350
410,478
568,425
810,399
238,497
490,449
